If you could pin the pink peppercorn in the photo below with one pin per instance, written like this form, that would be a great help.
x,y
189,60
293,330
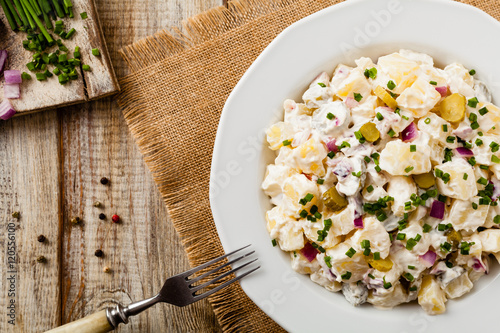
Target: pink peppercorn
x,y
115,218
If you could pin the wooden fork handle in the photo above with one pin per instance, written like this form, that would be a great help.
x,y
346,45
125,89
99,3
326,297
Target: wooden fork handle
x,y
95,323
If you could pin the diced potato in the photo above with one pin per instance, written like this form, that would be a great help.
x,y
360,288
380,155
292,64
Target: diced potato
x,y
457,187
430,296
370,132
309,156
355,83
452,108
464,217
434,127
341,263
402,71
490,119
420,98
296,188
291,237
316,96
425,180
490,240
301,265
386,97
459,286
387,299
375,232
273,182
276,218
400,188
278,133
398,160
483,153
311,232
320,277
342,222
333,200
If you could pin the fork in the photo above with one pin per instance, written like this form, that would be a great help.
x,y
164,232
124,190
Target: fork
x,y
178,290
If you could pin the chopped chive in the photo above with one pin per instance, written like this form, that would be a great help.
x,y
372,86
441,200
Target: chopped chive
x,y
483,111
25,76
445,128
41,77
369,189
274,242
387,285
391,133
376,256
473,117
96,53
320,181
346,276
321,84
83,15
409,277
371,73
480,133
474,205
479,142
377,168
285,143
410,244
473,102
380,117
450,139
391,85
496,219
357,97
330,115
472,72
495,159
331,154
401,236
426,228
327,261
365,243
474,125
86,68
434,83
472,161
367,159
303,213
350,253
413,148
483,167
466,176
427,120
408,169
494,147
482,181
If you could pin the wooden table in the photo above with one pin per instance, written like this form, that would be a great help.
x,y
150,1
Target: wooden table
x,y
50,167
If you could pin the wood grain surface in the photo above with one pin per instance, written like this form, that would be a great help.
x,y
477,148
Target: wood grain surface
x,y
51,164
39,95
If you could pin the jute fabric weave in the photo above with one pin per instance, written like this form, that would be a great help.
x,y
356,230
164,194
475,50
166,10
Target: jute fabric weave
x,y
172,103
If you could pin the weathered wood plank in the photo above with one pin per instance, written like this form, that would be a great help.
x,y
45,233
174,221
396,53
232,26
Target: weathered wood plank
x,y
143,250
36,95
29,183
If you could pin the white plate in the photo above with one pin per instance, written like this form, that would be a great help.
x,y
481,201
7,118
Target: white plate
x,y
448,31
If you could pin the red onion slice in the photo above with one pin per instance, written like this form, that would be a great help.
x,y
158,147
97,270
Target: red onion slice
x,y
410,133
3,60
437,209
309,252
358,223
443,91
11,91
332,146
429,258
351,102
12,76
6,110
464,152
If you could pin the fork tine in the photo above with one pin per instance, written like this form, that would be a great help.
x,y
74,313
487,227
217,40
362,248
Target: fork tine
x,y
196,279
213,261
201,286
225,284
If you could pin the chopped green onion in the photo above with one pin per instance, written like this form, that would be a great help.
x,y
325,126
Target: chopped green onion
x,y
496,219
274,242
377,168
357,97
387,285
367,159
427,120
479,142
474,125
320,181
321,84
445,128
83,15
369,189
376,255
331,154
495,159
473,102
409,277
426,228
86,68
346,276
41,77
472,72
466,176
330,115
371,73
450,139
474,205
380,117
482,181
96,53
401,236
391,85
413,148
434,83
25,76
391,133
285,143
327,261
408,169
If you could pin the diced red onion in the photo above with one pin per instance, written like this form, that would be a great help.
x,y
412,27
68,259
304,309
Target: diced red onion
x,y
12,76
3,60
358,223
437,209
309,252
429,258
442,90
496,188
11,91
331,145
410,133
6,110
464,152
351,102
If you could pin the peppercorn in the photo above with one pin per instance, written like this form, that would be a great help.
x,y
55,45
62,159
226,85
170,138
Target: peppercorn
x,y
102,216
41,259
16,215
106,269
115,218
104,180
76,220
99,253
97,204
41,238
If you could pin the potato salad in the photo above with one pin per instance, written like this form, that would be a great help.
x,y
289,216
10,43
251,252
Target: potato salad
x,y
385,184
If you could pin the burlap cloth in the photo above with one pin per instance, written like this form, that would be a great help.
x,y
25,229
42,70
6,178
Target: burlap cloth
x,y
172,103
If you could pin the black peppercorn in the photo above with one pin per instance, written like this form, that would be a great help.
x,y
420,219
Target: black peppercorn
x,y
41,259
104,180
99,253
16,215
102,216
41,238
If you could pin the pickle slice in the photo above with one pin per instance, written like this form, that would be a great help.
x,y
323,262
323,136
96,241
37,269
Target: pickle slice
x,y
383,265
385,97
333,200
370,132
424,180
452,108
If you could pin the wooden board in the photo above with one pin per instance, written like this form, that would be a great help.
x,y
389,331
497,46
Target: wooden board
x,y
40,95
50,165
